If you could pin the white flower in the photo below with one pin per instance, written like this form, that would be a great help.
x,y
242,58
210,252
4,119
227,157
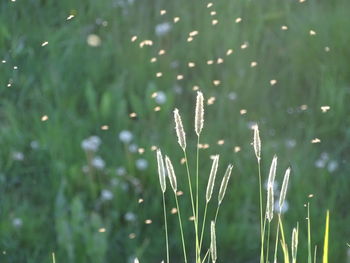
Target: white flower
x,y
141,164
161,97
91,144
232,95
284,207
85,169
320,163
130,216
34,145
17,222
133,148
18,156
177,89
290,143
93,40
332,166
106,195
98,163
125,136
121,171
162,29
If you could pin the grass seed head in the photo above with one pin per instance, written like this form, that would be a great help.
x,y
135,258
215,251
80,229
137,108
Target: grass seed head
x,y
284,188
213,242
224,183
212,176
272,173
180,132
257,143
161,170
270,203
171,173
295,235
199,117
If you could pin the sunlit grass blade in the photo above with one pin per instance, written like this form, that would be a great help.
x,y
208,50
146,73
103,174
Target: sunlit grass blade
x,y
326,237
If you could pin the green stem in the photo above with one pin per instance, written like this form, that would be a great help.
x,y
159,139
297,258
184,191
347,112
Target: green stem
x,y
262,233
309,233
206,254
217,212
276,244
203,226
193,207
268,242
197,183
181,229
166,230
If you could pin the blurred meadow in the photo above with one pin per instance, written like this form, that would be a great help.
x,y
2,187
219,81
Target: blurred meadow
x,y
87,93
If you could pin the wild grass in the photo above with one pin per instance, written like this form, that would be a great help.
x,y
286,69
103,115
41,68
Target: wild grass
x,y
86,90
211,253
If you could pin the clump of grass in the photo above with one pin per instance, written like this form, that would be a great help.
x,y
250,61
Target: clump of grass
x,y
265,219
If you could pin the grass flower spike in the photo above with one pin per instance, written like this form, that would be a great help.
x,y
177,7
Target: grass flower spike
x,y
212,176
257,143
213,242
284,188
224,183
171,173
161,170
199,116
180,132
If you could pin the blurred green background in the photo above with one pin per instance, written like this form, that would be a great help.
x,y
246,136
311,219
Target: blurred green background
x,y
89,79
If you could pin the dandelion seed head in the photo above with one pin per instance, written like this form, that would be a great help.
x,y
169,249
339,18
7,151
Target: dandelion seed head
x,y
163,29
93,40
126,136
229,52
253,64
273,82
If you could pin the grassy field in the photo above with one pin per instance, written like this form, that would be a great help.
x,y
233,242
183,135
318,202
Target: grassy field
x,y
74,69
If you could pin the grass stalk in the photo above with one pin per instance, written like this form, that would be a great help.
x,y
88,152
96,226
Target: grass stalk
x,y
193,206
262,232
203,226
181,228
166,230
268,241
309,260
276,242
198,250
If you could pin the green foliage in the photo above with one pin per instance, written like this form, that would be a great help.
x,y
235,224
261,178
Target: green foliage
x,y
49,203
